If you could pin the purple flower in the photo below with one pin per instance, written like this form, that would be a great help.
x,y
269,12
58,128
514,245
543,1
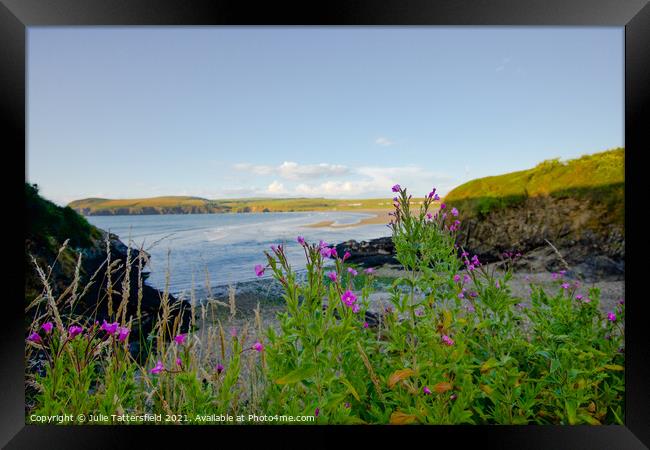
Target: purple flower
x,y
369,271
332,276
110,328
447,340
316,412
429,216
470,308
456,278
348,298
74,330
179,363
587,300
454,212
273,247
258,346
475,260
219,368
395,199
347,405
259,270
396,188
461,295
353,272
180,339
426,390
621,302
436,197
419,312
555,276
473,294
123,332
365,325
47,326
157,368
611,316
301,240
498,286
432,193
233,332
346,255
355,308
466,278
333,253
561,272
443,206
565,285
470,267
578,297
326,252
34,337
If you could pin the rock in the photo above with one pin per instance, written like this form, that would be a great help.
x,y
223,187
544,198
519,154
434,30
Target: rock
x,y
373,253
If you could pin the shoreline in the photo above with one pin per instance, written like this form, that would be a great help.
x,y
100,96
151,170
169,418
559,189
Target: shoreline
x,y
380,217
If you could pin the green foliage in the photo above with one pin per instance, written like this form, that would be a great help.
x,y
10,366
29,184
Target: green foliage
x,y
49,224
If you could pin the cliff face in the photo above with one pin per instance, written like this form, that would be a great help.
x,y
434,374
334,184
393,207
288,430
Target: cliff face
x,y
582,230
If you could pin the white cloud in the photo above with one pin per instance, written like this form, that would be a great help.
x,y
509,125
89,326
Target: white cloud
x,y
385,142
293,171
276,188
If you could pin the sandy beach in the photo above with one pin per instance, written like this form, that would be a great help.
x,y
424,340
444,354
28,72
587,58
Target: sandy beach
x,y
379,217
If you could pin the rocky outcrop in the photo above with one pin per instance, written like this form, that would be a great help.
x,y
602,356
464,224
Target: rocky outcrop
x,y
582,232
372,253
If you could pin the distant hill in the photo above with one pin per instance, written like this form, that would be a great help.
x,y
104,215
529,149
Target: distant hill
x,y
198,205
577,205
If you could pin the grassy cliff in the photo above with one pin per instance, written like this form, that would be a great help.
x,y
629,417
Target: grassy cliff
x,y
598,177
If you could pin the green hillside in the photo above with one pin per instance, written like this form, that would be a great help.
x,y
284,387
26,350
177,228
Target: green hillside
x,y
598,177
197,205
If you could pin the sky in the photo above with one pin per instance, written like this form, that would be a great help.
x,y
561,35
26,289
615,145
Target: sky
x,y
337,112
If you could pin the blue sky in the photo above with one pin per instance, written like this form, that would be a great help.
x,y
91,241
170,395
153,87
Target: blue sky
x,y
312,111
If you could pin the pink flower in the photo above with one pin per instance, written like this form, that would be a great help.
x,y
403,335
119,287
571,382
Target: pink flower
x,y
47,326
74,330
426,390
110,328
611,316
233,332
497,284
369,271
461,295
333,253
179,363
578,297
447,340
157,368
348,298
565,285
352,272
259,270
365,325
123,333
355,308
219,368
456,278
332,276
554,276
180,339
587,300
346,255
34,337
301,240
326,252
258,346
466,278
396,188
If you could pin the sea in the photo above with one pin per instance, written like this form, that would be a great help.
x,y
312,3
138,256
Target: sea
x,y
226,247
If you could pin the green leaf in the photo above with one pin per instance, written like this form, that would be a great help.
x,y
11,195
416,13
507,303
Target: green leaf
x,y
296,375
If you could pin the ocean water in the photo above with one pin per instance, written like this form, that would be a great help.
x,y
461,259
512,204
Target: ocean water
x,y
228,246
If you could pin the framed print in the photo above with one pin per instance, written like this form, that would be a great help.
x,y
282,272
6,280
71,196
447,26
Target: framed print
x,y
381,219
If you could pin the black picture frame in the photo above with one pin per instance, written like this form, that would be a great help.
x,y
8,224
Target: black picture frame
x,y
17,15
